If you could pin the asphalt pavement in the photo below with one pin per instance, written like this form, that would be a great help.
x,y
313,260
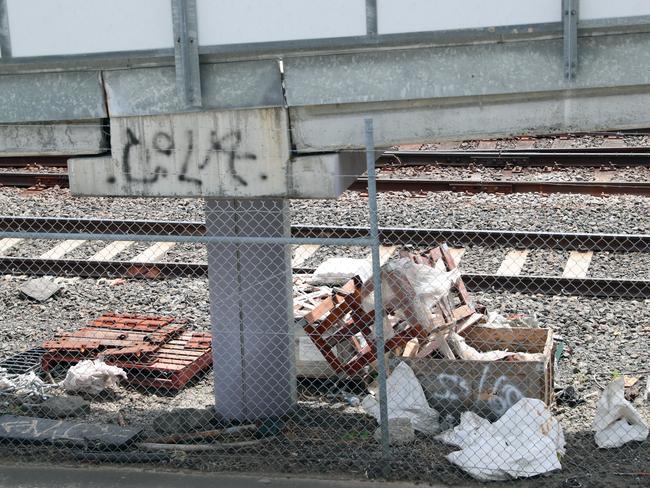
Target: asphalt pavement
x,y
38,476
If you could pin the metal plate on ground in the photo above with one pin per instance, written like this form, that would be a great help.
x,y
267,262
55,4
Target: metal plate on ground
x,y
34,429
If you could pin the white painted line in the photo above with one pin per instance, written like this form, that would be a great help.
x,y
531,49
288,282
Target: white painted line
x,y
385,253
153,253
112,250
577,264
513,262
62,249
303,253
8,243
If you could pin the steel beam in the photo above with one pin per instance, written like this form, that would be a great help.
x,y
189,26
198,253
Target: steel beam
x,y
186,52
570,31
5,37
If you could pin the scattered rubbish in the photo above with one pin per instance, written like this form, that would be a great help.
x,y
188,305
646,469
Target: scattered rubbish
x,y
425,296
154,351
405,400
34,429
338,271
400,431
27,387
617,421
568,396
59,407
185,420
526,441
92,376
40,289
343,332
630,381
489,387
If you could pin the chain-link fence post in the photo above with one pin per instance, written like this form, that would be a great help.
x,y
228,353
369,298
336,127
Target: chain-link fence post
x,y
376,274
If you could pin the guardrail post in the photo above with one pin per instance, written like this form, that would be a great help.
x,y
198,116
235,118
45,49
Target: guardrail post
x,y
570,26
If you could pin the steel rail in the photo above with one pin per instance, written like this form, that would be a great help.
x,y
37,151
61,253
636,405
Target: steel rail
x,y
28,161
30,179
494,186
589,157
552,285
388,235
547,285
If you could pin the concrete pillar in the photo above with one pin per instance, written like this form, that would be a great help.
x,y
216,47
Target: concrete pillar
x,y
251,310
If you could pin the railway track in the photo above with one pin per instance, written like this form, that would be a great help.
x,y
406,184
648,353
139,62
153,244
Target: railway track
x,y
150,263
48,180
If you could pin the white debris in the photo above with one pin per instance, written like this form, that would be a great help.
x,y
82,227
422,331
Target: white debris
x,y
467,352
647,389
496,321
92,377
525,441
405,400
338,271
26,386
617,421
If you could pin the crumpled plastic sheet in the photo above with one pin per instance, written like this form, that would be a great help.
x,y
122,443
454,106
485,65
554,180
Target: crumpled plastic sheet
x,y
526,441
429,285
27,386
405,400
617,422
92,376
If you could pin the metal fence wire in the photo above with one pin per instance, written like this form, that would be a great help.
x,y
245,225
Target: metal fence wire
x,y
245,343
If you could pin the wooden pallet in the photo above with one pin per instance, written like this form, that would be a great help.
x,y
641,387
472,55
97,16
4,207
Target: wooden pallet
x,y
155,351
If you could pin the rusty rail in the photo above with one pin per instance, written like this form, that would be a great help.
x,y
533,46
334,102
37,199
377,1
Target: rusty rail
x,y
589,157
467,186
387,235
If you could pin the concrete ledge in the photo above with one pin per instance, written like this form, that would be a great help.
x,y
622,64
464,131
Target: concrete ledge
x,y
314,176
56,139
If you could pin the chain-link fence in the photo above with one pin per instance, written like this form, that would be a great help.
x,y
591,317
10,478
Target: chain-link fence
x,y
246,343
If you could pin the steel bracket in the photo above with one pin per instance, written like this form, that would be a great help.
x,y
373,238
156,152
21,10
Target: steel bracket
x,y
186,52
570,28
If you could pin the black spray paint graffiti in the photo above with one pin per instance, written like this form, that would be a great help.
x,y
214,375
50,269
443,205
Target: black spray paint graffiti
x,y
163,144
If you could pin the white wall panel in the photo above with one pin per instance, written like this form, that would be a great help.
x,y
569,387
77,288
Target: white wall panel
x,y
244,21
600,9
396,16
59,27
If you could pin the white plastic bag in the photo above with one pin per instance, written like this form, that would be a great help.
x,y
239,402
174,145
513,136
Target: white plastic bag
x,y
617,421
405,400
92,377
525,441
